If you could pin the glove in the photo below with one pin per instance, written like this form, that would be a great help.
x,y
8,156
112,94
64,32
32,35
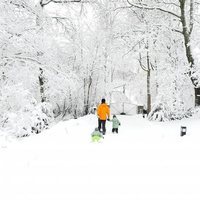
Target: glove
x,y
119,124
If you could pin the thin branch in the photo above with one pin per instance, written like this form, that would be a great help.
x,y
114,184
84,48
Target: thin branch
x,y
122,7
133,47
24,6
17,4
178,31
169,28
58,17
142,66
59,1
174,4
152,66
28,58
153,8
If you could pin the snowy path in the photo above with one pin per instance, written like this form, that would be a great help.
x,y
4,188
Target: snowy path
x,y
146,161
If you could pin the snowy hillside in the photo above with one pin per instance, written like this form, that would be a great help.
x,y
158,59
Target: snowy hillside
x,y
145,161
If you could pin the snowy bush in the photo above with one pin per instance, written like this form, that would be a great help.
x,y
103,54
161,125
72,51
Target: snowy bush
x,y
29,120
159,113
194,112
167,109
21,115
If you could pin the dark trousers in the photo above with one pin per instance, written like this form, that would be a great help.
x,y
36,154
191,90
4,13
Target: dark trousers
x,y
115,130
102,126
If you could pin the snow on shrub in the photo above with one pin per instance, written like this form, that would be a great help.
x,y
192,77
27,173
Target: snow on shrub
x,y
168,109
20,114
159,113
194,112
32,119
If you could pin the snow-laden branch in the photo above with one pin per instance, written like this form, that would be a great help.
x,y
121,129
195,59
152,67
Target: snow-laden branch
x,y
44,3
142,6
43,66
27,58
25,6
142,66
123,7
133,47
168,3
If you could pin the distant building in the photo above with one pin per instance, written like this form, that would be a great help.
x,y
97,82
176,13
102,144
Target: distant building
x,y
121,104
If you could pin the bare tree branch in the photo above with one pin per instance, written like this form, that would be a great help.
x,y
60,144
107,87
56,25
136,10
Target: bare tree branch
x,y
142,66
142,6
123,7
178,31
43,3
171,3
133,47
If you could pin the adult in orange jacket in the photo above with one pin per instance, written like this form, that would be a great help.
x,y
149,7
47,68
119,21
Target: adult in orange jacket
x,y
103,112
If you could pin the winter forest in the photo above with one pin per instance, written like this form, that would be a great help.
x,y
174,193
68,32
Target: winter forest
x,y
95,98
60,57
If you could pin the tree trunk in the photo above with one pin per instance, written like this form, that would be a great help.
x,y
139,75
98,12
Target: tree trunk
x,y
41,84
187,34
41,78
88,96
148,84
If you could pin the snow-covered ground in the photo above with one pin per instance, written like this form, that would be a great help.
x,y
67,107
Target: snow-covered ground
x,y
145,161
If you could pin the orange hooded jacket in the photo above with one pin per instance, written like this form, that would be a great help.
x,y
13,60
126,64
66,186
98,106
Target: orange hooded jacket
x,y
103,111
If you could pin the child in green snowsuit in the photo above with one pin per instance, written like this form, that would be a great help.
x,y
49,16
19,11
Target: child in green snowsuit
x,y
115,124
96,135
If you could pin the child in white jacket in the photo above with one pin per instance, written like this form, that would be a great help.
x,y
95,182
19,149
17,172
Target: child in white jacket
x,y
115,124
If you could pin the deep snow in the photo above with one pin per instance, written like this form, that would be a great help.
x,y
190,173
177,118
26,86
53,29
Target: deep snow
x,y
145,161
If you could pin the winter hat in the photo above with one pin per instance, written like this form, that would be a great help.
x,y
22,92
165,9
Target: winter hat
x,y
103,100
114,116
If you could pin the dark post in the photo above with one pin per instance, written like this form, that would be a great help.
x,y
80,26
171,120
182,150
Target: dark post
x,y
197,96
183,130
